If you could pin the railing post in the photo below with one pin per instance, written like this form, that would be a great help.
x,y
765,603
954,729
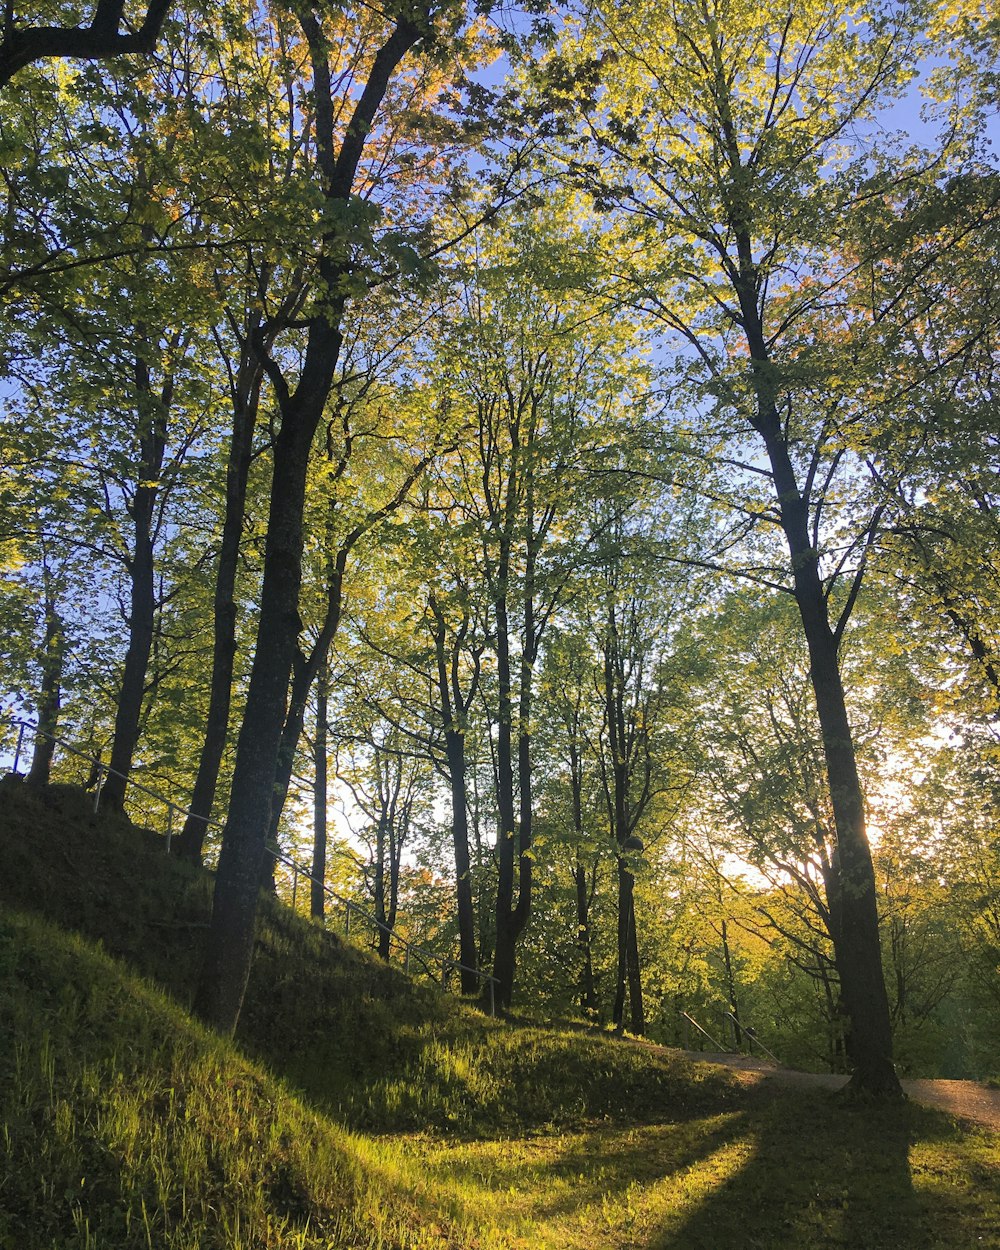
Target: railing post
x,y
20,743
406,960
295,883
444,974
99,787
493,997
170,825
347,923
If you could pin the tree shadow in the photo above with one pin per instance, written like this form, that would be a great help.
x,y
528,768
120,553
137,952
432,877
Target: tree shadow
x,y
601,1165
822,1173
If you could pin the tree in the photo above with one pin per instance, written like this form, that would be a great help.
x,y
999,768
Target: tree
x,y
735,184
110,33
451,648
627,757
340,148
530,379
569,726
389,789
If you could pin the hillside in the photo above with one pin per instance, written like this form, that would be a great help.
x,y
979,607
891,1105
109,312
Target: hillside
x,y
127,1125
360,1038
358,1110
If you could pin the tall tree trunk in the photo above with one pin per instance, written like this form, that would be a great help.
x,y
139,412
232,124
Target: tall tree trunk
x,y
50,691
625,922
587,987
506,937
455,752
637,1011
381,832
515,835
731,994
396,838
306,667
152,412
454,707
229,948
317,905
854,932
856,938
629,971
628,750
516,838
246,400
391,828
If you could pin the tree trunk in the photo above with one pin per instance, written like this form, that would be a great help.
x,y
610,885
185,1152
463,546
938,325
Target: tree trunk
x,y
622,823
305,670
854,931
317,897
229,948
584,888
856,938
454,707
384,934
629,973
515,840
731,994
142,600
391,828
455,751
506,938
587,988
245,406
49,695
637,1011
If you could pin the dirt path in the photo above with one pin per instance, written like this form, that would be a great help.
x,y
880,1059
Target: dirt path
x,y
968,1100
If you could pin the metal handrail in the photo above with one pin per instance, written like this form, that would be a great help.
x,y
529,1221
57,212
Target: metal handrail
x,y
691,1020
750,1032
409,948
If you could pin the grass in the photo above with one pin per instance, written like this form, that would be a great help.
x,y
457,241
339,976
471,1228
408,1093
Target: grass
x,y
786,1171
360,1111
126,1124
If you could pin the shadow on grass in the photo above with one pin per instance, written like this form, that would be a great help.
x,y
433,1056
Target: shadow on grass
x,y
822,1174
583,1176
606,1162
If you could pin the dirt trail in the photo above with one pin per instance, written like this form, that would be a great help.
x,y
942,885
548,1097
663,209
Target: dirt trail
x,y
968,1100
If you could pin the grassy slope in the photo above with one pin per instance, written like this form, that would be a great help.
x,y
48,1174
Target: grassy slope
x,y
126,1125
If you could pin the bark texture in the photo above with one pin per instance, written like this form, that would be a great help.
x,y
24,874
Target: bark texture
x,y
102,39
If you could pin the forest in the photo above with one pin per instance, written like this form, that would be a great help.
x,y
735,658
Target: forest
x,y
536,468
